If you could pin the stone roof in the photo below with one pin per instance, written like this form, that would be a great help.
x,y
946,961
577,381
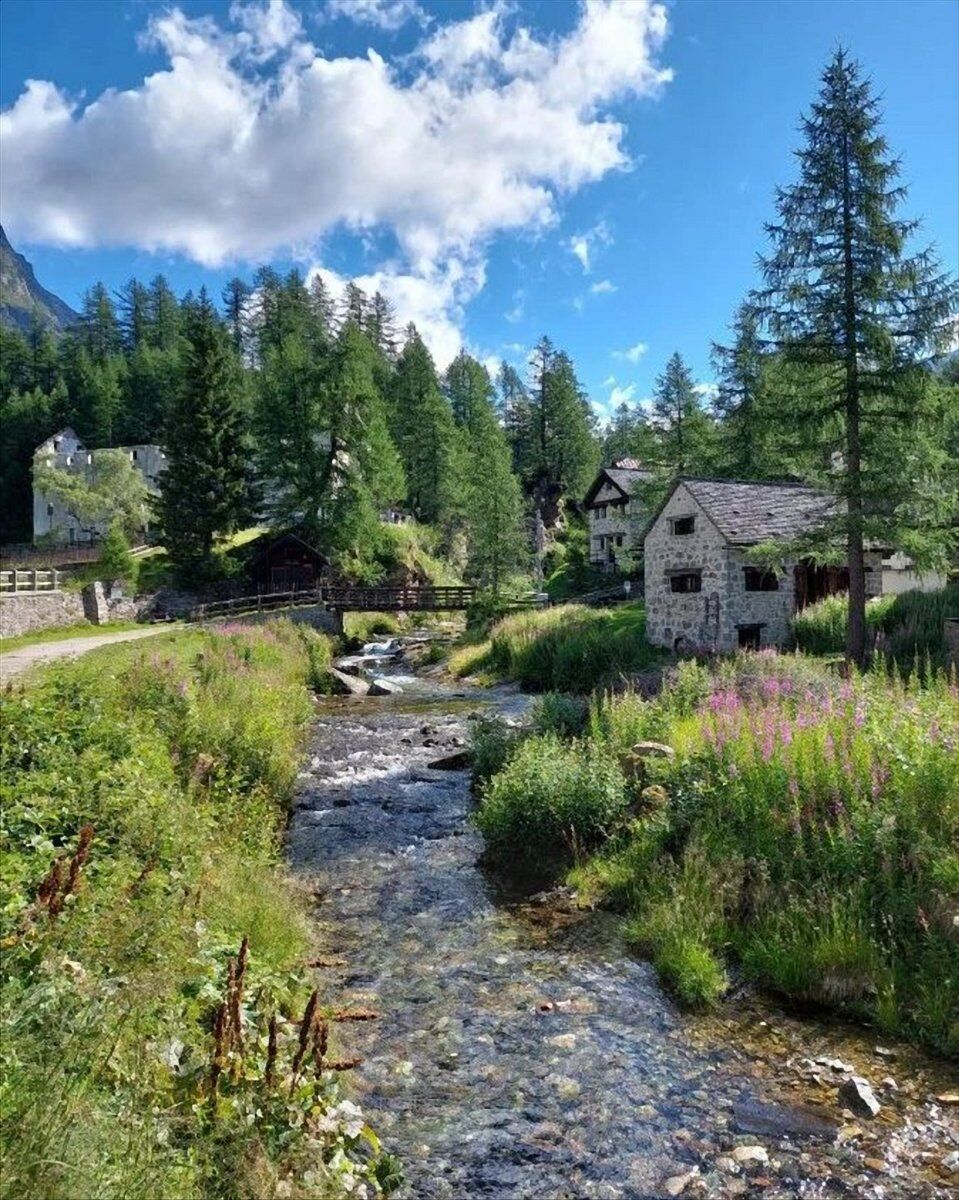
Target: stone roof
x,y
747,513
622,476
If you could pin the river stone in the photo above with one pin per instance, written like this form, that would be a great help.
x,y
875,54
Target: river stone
x,y
652,750
452,762
385,687
347,685
779,1120
858,1096
750,1154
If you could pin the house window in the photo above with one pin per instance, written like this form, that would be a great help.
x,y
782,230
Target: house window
x,y
756,580
750,636
135,455
49,510
683,526
619,539
601,512
686,581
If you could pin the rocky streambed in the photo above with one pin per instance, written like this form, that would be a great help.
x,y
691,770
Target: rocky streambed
x,y
522,1052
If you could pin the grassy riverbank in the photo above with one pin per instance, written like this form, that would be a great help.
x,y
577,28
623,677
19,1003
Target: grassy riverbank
x,y
155,974
569,648
806,829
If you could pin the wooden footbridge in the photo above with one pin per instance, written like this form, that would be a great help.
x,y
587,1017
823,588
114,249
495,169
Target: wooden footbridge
x,y
426,598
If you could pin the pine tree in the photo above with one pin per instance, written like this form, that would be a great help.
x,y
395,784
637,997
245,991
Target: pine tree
x,y
741,400
205,490
685,429
556,452
116,561
496,538
468,390
425,435
236,297
98,324
845,300
134,314
164,320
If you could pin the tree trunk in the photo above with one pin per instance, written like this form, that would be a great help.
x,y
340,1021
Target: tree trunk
x,y
856,626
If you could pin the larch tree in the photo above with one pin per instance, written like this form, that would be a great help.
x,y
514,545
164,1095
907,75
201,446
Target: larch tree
x,y
205,491
495,533
745,421
425,435
686,432
846,300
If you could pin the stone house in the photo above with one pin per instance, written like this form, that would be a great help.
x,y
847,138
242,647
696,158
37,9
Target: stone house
x,y
614,514
701,589
64,451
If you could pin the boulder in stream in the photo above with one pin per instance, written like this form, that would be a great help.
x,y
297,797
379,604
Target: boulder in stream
x,y
452,762
347,685
385,687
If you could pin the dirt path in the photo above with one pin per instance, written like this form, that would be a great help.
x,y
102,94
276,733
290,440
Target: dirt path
x,y
15,662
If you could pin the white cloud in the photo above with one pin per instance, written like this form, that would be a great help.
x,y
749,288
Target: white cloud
x,y
633,354
622,395
389,15
515,313
706,391
604,287
250,142
609,381
581,245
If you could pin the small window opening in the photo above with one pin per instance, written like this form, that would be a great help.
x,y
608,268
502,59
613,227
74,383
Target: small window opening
x,y
686,581
757,580
683,526
750,637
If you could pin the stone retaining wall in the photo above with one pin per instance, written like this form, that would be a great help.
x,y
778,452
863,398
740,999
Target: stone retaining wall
x,y
30,612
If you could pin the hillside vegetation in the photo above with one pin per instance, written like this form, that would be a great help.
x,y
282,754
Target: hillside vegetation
x,y
158,1036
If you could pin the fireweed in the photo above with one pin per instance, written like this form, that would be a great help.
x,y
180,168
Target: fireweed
x,y
811,833
155,958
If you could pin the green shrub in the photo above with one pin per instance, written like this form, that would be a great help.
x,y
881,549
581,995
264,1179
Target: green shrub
x,y
561,714
493,742
551,797
116,561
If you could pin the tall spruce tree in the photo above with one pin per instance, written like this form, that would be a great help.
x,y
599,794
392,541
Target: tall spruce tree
x,y
495,533
425,435
555,449
745,420
205,490
685,430
846,301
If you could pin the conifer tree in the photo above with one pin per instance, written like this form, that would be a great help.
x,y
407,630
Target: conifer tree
x,y
205,490
236,296
134,314
468,389
98,323
496,538
845,300
741,400
425,435
556,451
684,427
164,325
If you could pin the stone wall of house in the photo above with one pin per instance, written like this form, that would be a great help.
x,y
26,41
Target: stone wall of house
x,y
710,618
621,519
672,616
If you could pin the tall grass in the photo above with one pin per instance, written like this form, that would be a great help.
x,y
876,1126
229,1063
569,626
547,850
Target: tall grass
x,y
906,629
154,955
807,827
569,648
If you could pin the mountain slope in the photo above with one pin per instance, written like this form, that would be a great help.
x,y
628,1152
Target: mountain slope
x,y
20,292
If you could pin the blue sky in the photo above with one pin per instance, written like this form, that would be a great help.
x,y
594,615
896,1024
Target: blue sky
x,y
601,175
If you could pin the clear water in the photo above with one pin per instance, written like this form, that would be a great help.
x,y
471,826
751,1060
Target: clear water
x,y
522,1052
